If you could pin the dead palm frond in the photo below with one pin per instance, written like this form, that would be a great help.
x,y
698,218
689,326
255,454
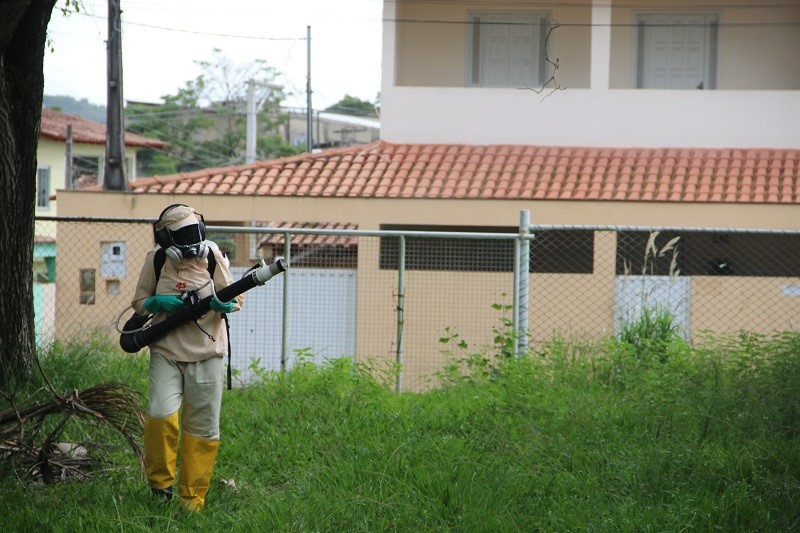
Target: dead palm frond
x,y
30,433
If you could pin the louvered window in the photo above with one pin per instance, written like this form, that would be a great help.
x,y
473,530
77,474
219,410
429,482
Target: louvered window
x,y
506,49
676,51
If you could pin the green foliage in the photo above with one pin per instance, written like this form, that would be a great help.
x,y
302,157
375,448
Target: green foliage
x,y
705,440
272,146
204,122
350,105
506,337
470,365
652,334
95,359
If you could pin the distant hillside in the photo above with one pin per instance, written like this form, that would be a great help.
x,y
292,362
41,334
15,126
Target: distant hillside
x,y
82,108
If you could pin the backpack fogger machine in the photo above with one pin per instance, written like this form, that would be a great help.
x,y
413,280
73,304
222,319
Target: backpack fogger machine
x,y
135,337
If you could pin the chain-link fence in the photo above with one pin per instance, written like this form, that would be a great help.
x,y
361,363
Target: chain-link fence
x,y
388,297
711,281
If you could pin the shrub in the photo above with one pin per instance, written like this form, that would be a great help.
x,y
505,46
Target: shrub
x,y
652,334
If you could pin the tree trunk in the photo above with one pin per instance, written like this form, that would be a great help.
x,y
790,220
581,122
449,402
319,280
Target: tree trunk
x,y
23,33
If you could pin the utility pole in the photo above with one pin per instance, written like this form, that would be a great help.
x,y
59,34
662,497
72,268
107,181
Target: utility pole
x,y
68,184
250,149
309,109
114,168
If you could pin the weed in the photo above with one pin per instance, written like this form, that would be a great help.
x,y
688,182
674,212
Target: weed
x,y
463,363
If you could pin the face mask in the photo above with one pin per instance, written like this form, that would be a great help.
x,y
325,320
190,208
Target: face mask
x,y
186,236
187,243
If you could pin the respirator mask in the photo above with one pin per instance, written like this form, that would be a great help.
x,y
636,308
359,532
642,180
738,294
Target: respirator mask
x,y
181,232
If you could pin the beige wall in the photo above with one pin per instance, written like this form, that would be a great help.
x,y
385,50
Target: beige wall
x,y
434,55
752,304
756,52
750,56
369,213
77,252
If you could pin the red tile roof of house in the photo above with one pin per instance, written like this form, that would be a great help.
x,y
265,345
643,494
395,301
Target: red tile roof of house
x,y
507,172
54,126
301,240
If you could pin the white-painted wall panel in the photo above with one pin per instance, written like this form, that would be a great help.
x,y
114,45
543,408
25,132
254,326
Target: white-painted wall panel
x,y
322,319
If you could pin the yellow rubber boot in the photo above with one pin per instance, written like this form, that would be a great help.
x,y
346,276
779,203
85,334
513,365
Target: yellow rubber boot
x,y
197,464
161,450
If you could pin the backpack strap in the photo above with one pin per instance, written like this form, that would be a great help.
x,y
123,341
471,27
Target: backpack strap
x,y
212,263
228,333
158,262
212,266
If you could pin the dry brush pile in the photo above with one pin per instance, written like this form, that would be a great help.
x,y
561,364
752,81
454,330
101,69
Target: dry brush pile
x,y
33,426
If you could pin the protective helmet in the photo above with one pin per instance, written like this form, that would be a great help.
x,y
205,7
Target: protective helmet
x,y
180,231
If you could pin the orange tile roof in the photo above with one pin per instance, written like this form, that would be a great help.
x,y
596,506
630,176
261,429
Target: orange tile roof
x,y
507,172
54,126
300,240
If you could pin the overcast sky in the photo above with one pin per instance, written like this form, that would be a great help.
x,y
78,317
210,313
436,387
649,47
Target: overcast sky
x,y
162,39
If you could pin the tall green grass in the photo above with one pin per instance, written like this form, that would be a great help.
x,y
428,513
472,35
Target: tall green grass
x,y
574,437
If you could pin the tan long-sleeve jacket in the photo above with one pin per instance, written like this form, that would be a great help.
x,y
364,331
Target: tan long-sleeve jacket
x,y
188,342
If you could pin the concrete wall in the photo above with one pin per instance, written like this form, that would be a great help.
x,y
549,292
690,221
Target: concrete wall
x,y
424,97
756,52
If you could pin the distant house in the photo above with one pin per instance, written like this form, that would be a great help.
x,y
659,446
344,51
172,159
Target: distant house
x,y
56,169
85,166
331,130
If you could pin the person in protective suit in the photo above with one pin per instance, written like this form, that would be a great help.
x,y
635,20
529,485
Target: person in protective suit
x,y
186,365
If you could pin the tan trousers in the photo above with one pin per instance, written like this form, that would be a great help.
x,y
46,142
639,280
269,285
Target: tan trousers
x,y
195,386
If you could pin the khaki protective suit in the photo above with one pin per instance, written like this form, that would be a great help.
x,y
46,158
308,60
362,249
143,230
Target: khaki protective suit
x,y
186,370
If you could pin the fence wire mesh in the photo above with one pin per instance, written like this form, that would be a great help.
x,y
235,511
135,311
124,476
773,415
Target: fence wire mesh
x,y
712,282
388,297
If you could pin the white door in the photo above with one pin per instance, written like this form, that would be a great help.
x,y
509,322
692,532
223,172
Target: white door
x,y
633,294
322,319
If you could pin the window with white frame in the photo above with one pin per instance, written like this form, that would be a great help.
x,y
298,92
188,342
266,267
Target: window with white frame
x,y
676,50
507,49
43,188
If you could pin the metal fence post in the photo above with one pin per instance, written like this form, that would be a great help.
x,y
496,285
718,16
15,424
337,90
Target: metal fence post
x,y
401,293
287,254
515,296
524,281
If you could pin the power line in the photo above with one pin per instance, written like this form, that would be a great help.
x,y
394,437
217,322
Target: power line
x,y
256,37
611,24
628,5
194,32
781,23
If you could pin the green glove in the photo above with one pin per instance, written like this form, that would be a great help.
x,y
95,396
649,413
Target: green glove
x,y
163,302
222,307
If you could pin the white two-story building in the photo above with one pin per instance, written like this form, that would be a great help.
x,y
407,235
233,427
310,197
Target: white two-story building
x,y
597,73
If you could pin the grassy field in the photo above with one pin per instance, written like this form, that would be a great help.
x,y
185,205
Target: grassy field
x,y
612,437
